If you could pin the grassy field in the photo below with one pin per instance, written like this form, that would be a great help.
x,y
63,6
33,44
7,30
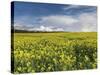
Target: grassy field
x,y
44,52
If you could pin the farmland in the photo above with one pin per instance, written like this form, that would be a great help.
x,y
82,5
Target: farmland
x,y
46,52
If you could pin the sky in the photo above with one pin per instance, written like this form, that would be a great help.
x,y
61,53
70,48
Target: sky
x,y
54,17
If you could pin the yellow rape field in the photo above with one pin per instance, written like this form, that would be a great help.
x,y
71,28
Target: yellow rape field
x,y
46,52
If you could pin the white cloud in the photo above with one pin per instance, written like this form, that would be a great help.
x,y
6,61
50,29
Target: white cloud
x,y
83,22
43,28
88,22
58,20
71,7
19,26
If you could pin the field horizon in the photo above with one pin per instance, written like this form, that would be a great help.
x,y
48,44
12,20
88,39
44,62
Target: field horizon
x,y
32,31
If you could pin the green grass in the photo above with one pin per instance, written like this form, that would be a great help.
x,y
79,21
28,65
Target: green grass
x,y
44,52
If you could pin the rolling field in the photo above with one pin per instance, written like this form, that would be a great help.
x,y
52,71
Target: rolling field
x,y
45,52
